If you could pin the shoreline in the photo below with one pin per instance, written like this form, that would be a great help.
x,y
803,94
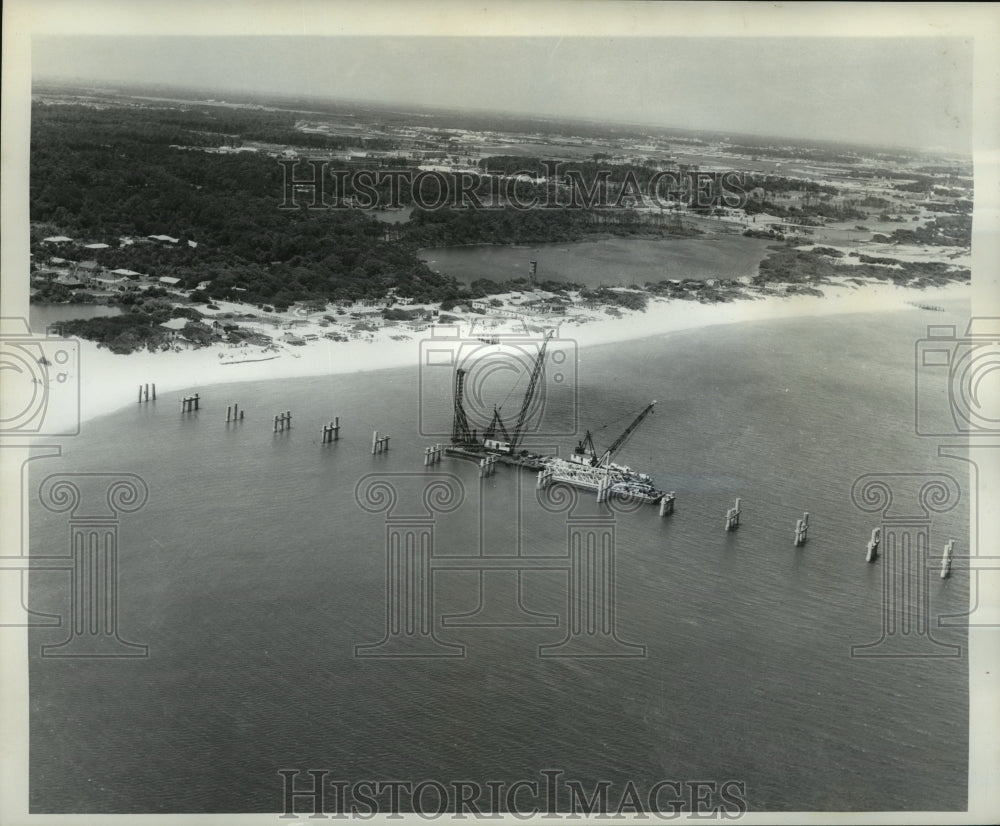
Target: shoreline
x,y
108,382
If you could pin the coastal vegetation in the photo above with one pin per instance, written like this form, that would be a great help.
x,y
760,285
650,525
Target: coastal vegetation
x,y
118,176
788,265
193,194
140,328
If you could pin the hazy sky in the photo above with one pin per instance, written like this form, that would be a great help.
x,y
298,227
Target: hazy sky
x,y
894,91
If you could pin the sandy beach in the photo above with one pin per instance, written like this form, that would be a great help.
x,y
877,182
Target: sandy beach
x,y
109,382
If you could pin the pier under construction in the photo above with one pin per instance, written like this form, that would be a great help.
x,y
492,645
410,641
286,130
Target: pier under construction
x,y
584,468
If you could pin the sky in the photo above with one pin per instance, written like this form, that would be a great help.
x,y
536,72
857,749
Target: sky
x,y
914,92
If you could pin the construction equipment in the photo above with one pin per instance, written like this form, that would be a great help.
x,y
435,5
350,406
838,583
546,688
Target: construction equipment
x,y
460,433
496,427
536,371
496,437
586,453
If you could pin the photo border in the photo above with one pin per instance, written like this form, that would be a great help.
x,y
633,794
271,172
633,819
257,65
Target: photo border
x,y
25,18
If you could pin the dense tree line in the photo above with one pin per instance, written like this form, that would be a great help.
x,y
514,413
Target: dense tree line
x,y
99,175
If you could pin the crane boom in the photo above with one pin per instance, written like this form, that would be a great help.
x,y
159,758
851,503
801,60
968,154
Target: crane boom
x,y
606,457
528,397
460,433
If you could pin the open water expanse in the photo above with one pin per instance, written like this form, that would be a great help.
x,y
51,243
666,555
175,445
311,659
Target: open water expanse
x,y
252,573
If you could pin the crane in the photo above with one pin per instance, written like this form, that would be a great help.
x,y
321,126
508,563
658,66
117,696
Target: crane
x,y
496,426
460,432
511,440
586,445
536,371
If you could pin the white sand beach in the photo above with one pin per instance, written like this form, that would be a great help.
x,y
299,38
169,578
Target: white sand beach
x,y
109,382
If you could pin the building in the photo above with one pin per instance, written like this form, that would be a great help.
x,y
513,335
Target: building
x,y
110,281
174,327
86,271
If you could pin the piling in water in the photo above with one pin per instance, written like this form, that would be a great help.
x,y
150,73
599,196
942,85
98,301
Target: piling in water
x,y
283,422
331,431
946,559
487,466
380,444
733,516
667,503
801,528
604,488
544,478
873,544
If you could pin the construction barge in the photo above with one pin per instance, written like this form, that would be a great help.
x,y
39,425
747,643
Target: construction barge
x,y
529,461
584,468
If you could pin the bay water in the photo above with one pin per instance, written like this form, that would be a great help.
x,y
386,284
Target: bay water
x,y
252,573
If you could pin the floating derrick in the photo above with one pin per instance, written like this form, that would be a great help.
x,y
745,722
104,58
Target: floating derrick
x,y
667,503
144,393
946,559
801,529
873,544
432,454
233,413
733,516
380,444
583,469
331,431
189,403
283,422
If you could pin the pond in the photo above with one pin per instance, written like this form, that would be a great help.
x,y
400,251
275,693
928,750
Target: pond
x,y
610,262
43,315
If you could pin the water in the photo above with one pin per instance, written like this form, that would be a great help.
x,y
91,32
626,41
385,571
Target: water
x,y
393,216
252,574
41,315
609,262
